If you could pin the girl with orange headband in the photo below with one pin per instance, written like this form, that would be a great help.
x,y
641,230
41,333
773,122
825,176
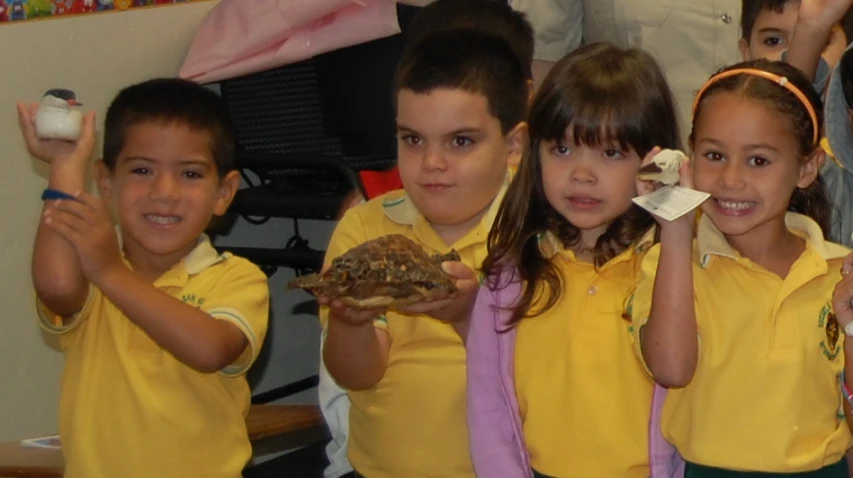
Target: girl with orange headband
x,y
738,319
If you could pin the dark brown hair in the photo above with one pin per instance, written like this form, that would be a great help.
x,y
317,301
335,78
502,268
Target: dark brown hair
x,y
811,201
469,60
170,101
598,94
750,9
489,16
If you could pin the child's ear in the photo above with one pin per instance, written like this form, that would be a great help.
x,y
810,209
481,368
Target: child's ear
x,y
743,47
228,187
516,141
810,170
104,180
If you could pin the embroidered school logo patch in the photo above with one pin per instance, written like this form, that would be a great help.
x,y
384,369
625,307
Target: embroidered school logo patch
x,y
829,323
192,299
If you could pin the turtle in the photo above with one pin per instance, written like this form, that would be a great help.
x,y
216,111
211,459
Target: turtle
x,y
391,271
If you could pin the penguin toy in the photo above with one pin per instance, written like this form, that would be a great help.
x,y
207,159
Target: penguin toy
x,y
57,118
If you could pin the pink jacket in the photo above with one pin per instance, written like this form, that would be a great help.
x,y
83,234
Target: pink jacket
x,y
494,422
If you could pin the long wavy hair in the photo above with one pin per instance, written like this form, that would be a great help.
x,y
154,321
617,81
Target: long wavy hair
x,y
598,94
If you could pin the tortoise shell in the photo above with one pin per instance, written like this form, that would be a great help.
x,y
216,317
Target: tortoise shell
x,y
391,271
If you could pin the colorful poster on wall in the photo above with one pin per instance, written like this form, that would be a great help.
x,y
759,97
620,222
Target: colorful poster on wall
x,y
21,10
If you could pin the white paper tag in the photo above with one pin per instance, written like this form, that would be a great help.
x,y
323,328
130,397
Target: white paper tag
x,y
671,202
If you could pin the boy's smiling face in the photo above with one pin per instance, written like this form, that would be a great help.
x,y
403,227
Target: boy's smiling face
x,y
453,156
164,190
772,32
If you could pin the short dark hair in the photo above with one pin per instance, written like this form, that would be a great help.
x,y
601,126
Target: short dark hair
x,y
491,16
750,9
170,101
469,60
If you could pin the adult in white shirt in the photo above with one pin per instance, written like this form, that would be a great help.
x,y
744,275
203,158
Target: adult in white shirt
x,y
691,39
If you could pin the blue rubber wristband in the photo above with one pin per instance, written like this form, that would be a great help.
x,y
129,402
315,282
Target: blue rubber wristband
x,y
54,194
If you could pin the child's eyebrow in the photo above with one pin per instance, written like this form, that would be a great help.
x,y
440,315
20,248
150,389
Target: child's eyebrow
x,y
196,162
761,146
185,162
405,129
771,30
456,132
462,131
712,141
139,158
746,147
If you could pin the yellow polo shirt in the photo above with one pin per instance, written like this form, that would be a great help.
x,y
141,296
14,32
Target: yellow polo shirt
x,y
765,395
413,422
130,409
585,399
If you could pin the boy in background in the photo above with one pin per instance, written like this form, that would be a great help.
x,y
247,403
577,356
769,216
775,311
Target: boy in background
x,y
815,23
767,30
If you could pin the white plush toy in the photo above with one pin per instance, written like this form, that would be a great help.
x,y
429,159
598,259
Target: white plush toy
x,y
57,118
664,167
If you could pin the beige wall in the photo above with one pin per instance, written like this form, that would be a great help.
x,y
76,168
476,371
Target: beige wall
x,y
94,55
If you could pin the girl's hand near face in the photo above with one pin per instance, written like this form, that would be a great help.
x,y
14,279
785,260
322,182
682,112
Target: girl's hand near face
x,y
683,225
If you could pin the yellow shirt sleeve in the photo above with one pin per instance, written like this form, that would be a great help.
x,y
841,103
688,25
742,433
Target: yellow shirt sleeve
x,y
641,303
241,297
351,231
55,324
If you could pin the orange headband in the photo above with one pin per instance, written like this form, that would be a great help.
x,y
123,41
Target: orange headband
x,y
780,80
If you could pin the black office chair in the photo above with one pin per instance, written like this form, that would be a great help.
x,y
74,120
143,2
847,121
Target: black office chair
x,y
304,131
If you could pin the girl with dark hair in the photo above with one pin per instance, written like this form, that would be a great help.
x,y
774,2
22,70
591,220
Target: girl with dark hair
x,y
554,388
740,323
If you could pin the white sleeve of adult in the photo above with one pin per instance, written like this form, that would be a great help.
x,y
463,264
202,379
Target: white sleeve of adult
x,y
557,25
335,405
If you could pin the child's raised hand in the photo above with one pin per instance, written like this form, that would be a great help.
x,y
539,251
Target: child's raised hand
x,y
685,174
648,187
50,150
85,223
823,14
842,297
456,309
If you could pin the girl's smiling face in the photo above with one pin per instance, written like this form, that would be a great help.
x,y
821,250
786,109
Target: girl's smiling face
x,y
748,157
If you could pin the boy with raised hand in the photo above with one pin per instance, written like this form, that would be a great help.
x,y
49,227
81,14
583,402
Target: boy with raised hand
x,y
157,326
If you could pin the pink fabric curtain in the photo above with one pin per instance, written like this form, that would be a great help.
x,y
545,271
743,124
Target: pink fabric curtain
x,y
239,37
